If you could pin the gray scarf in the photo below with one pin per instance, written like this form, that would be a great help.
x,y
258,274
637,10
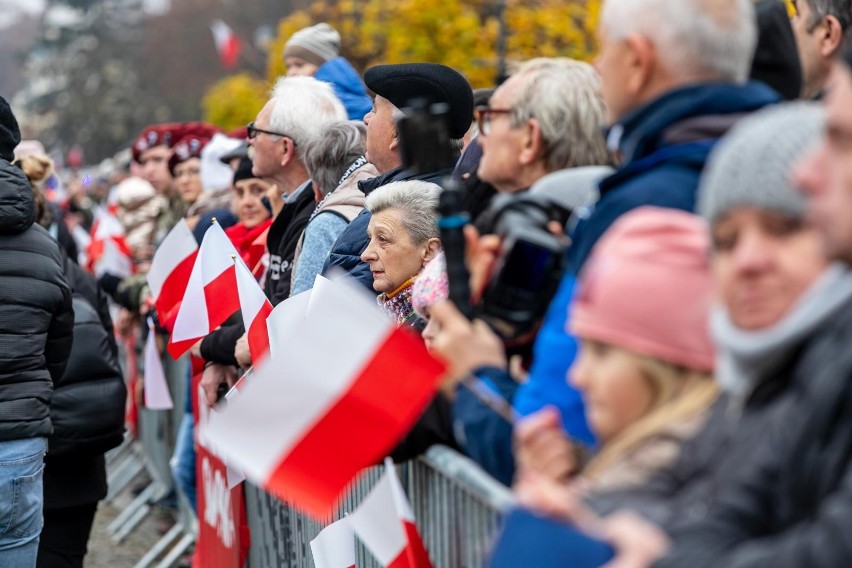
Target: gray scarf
x,y
744,358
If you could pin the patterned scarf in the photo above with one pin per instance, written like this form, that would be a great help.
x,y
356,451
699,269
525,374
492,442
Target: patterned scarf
x,y
397,304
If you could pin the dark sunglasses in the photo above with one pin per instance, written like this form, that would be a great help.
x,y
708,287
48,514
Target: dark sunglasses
x,y
252,131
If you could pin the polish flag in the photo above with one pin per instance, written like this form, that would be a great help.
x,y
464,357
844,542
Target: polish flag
x,y
170,270
334,546
255,308
385,524
108,251
211,294
353,384
157,396
228,45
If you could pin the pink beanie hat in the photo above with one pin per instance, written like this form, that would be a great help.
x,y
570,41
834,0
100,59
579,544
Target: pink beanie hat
x,y
647,288
431,285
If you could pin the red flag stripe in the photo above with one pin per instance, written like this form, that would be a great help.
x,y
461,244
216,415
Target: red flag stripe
x,y
342,443
258,334
174,288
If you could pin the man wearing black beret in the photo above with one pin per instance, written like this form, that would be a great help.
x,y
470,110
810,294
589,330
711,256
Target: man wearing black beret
x,y
395,87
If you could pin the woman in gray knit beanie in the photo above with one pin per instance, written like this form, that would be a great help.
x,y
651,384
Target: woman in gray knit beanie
x,y
773,281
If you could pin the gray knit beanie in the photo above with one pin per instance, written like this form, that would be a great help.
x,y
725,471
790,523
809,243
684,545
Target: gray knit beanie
x,y
752,164
315,44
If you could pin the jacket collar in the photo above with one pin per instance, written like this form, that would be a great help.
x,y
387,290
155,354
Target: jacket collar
x,y
643,131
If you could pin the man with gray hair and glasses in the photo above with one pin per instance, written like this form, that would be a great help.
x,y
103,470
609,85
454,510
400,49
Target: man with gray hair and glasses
x,y
547,116
820,27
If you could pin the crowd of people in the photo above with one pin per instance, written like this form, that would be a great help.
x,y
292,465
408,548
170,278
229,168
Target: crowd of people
x,y
685,397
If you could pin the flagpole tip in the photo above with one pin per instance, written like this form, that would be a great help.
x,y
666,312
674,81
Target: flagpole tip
x,y
214,219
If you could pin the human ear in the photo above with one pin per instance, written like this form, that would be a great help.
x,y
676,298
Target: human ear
x,y
532,143
430,249
641,63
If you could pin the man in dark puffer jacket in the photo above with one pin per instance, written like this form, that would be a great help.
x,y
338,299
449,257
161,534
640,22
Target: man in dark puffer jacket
x,y
36,320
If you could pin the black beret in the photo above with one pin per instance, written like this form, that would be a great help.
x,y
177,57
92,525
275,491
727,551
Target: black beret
x,y
404,82
10,134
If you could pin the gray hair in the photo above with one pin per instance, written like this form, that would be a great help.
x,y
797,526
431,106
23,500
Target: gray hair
x,y
840,9
328,157
416,200
694,38
301,107
564,96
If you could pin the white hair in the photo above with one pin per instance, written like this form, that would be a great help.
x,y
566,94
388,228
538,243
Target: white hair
x,y
694,38
302,107
416,200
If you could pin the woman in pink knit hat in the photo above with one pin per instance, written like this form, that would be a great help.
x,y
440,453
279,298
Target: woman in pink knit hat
x,y
646,358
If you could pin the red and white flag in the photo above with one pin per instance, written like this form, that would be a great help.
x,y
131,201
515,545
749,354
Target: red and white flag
x,y
255,308
108,252
211,294
228,45
157,395
385,524
334,546
170,270
353,384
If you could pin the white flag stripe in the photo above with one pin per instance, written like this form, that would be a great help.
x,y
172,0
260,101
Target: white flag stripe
x,y
403,507
314,382
113,261
108,226
192,319
252,297
214,257
334,546
287,317
177,245
221,33
377,524
157,396
219,255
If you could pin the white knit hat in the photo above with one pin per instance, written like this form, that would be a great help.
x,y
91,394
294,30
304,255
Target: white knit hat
x,y
315,44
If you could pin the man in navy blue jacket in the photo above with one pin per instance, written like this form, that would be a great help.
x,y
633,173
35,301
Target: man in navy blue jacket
x,y
673,86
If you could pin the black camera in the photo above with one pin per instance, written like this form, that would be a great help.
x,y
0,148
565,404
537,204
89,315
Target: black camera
x,y
530,266
532,260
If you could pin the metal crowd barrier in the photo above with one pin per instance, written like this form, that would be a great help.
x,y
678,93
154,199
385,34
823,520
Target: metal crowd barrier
x,y
457,506
150,453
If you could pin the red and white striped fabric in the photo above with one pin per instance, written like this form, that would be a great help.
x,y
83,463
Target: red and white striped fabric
x,y
108,252
334,546
255,308
211,294
170,270
228,45
353,384
385,524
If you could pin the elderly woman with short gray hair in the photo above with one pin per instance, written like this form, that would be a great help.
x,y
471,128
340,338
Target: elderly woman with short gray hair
x,y
403,239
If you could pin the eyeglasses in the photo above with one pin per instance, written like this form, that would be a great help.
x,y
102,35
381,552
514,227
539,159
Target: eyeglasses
x,y
252,130
483,117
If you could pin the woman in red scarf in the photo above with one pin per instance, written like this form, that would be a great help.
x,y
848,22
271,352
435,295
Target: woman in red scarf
x,y
249,234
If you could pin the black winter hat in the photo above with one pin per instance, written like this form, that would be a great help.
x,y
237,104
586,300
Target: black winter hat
x,y
244,170
404,82
776,58
10,134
